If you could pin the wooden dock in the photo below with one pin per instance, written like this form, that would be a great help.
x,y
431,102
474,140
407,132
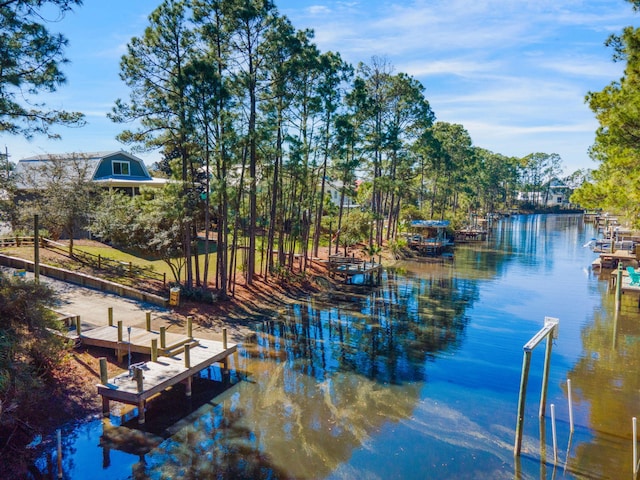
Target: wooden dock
x,y
347,268
153,377
137,340
611,259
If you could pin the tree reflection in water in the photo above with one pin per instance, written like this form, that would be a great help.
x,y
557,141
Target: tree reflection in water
x,y
322,379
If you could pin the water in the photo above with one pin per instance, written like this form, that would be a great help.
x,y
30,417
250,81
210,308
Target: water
x,y
418,379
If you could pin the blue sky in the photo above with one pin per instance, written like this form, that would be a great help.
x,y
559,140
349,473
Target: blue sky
x,y
514,73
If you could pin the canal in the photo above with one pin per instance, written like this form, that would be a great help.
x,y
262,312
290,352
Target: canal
x,y
417,379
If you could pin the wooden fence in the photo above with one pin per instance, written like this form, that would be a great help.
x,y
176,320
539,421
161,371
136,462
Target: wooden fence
x,y
121,269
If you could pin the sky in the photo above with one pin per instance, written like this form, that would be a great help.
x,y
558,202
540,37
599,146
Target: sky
x,y
513,73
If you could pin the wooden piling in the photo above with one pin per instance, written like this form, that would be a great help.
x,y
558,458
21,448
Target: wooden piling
x,y
163,337
187,356
59,439
526,362
634,428
154,349
188,386
148,321
119,351
110,316
224,338
190,326
141,408
139,380
105,406
104,374
619,287
78,326
545,375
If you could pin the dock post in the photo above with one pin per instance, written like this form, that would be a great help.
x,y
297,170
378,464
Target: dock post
x,y
553,433
570,401
104,375
148,321
187,356
190,326
224,338
619,287
526,362
141,407
187,386
139,380
545,375
163,337
78,326
141,402
105,406
59,439
154,349
110,316
634,425
119,352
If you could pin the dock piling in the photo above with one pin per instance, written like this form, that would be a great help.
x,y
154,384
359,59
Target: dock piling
x,y
154,349
148,321
619,287
59,441
104,374
110,316
78,326
139,379
190,326
187,356
553,433
163,337
570,404
636,465
224,338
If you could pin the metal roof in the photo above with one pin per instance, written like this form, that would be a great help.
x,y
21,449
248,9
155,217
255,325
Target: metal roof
x,y
430,223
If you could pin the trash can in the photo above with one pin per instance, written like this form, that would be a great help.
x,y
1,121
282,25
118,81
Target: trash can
x,y
174,296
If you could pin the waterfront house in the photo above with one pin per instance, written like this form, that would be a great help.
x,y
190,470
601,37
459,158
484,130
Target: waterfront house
x,y
117,170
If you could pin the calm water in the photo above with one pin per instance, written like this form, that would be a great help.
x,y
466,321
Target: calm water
x,y
418,379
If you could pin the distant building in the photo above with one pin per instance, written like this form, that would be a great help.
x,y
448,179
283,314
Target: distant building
x,y
554,194
117,170
333,187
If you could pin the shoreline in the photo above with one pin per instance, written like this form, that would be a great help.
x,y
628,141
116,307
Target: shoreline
x,y
71,392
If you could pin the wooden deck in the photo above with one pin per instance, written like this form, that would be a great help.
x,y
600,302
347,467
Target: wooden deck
x,y
165,372
348,267
611,260
140,342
